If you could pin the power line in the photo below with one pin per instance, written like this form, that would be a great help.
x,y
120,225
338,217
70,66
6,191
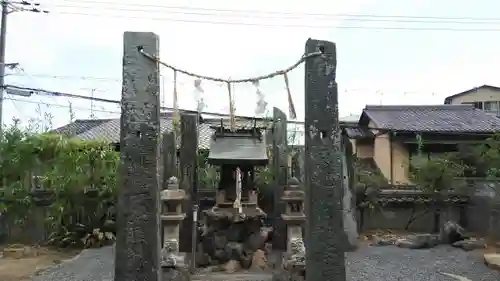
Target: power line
x,y
233,14
253,24
59,94
9,7
356,17
34,91
14,104
28,75
59,105
68,77
283,13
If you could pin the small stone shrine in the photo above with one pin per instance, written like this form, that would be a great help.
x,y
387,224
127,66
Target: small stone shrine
x,y
232,232
294,260
171,218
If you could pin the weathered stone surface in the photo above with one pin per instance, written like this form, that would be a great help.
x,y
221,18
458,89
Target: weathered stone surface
x,y
231,266
188,162
451,232
470,244
492,261
169,153
259,260
349,209
175,274
138,221
280,168
418,241
224,238
170,256
323,164
382,241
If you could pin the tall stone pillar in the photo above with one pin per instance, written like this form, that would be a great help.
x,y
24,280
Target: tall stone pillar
x,y
323,164
138,217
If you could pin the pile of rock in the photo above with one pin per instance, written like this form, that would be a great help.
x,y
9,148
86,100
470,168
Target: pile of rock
x,y
230,242
451,233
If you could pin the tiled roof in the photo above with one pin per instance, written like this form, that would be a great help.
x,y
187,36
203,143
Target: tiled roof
x,y
240,122
354,131
79,126
357,133
110,132
240,148
431,118
416,196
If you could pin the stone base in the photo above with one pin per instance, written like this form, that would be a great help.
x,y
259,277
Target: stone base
x,y
176,274
233,277
285,275
173,260
492,261
226,236
293,268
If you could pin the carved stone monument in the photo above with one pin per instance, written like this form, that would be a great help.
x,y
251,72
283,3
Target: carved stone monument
x,y
138,217
325,237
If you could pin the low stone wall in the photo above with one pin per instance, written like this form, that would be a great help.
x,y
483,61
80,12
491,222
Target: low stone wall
x,y
483,211
397,218
411,210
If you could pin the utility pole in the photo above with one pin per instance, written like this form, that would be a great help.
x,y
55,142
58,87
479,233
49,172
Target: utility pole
x,y
7,8
92,116
3,35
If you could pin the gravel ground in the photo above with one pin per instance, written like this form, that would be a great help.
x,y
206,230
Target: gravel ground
x,y
366,264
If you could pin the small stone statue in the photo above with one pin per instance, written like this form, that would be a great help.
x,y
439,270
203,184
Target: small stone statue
x,y
170,254
173,183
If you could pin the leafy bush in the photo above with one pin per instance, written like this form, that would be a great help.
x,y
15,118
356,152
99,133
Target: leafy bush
x,y
81,175
438,174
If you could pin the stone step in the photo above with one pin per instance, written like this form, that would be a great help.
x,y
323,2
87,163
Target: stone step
x,y
233,277
492,261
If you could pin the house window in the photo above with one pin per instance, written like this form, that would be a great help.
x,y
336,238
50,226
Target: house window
x,y
491,106
478,105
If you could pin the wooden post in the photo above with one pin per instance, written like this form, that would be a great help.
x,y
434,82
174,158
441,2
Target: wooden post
x,y
280,171
188,163
169,148
323,163
138,219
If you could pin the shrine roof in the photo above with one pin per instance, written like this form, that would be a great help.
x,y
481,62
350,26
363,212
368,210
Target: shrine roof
x,y
237,149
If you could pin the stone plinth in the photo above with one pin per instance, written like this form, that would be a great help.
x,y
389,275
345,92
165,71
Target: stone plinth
x,y
229,237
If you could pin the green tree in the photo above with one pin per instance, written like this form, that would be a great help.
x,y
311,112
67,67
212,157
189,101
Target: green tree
x,y
436,177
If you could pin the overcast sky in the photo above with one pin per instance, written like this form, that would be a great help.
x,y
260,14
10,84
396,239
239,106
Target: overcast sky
x,y
83,38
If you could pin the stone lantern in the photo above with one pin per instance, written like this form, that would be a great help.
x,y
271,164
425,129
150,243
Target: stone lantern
x,y
171,218
294,218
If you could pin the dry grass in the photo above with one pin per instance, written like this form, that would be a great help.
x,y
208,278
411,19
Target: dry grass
x,y
20,262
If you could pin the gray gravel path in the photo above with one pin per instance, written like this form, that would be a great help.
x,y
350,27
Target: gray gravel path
x,y
386,263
